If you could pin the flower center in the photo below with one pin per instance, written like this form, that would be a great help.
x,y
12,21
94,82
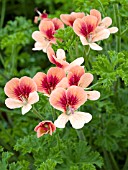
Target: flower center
x,y
24,100
69,110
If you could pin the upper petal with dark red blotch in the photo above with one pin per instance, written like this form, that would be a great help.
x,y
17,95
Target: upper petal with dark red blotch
x,y
84,26
97,14
58,99
75,74
41,82
47,29
54,76
69,19
57,23
76,96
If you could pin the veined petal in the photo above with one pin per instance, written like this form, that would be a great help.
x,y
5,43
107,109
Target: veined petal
x,y
76,96
85,80
41,82
93,95
84,26
10,87
61,120
13,103
83,40
107,21
58,99
33,98
95,46
26,108
113,30
47,29
63,83
101,35
97,14
57,23
78,119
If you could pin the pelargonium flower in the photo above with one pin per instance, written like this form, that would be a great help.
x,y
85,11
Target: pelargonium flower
x,y
86,29
41,16
59,59
45,127
103,23
77,76
22,93
69,19
46,83
45,36
68,101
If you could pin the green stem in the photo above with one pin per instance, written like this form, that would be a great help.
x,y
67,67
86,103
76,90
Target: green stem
x,y
92,86
108,165
80,134
3,13
117,20
37,114
13,59
123,32
125,167
102,8
115,166
53,114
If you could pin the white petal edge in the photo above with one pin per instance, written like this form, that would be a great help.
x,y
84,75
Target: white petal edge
x,y
26,108
60,54
13,103
83,40
61,121
95,46
78,119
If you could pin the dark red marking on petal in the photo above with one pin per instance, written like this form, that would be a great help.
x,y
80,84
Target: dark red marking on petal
x,y
45,86
63,102
50,33
72,100
74,80
56,63
52,81
44,15
86,29
71,22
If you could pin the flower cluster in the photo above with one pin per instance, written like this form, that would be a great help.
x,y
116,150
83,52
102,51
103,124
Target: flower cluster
x,y
65,85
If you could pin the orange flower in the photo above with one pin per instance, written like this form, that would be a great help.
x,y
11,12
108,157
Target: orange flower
x,y
86,29
69,19
68,101
44,127
47,83
21,93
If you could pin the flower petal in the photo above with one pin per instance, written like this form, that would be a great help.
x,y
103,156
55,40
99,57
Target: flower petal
x,y
13,103
33,98
61,120
78,119
60,54
47,29
85,80
58,99
95,46
101,35
38,36
26,108
113,30
76,96
93,95
83,40
41,82
84,26
107,21
97,14
57,23
63,83
10,87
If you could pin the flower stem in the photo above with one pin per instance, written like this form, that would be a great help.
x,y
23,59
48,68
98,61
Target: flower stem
x,y
117,20
92,86
37,114
80,134
3,13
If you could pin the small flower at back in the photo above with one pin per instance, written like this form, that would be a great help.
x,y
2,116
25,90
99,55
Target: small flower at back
x,y
45,127
22,93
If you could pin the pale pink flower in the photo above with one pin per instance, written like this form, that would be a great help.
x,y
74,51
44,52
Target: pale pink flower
x,y
69,19
68,101
103,23
44,127
59,59
45,36
22,93
46,83
77,76
86,29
